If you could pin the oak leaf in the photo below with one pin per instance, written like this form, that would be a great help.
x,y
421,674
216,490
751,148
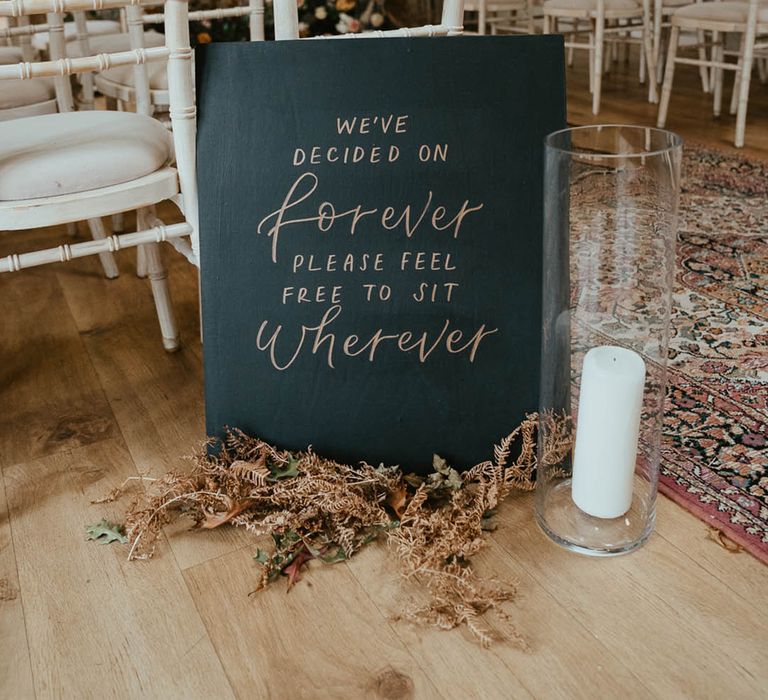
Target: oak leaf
x,y
106,532
293,570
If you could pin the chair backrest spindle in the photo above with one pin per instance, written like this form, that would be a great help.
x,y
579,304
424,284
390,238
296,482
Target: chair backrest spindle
x,y
182,109
57,48
256,19
133,15
453,13
286,20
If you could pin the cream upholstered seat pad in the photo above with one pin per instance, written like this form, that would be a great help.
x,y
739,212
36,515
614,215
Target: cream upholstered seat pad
x,y
589,5
21,93
95,26
722,11
10,54
59,154
111,43
123,75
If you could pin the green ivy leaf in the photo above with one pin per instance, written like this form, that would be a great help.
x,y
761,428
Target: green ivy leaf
x,y
333,557
106,532
284,472
261,556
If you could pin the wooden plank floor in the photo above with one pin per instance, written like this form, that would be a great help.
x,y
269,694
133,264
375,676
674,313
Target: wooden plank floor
x,y
88,397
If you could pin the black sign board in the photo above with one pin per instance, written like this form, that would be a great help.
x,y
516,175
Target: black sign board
x,y
370,220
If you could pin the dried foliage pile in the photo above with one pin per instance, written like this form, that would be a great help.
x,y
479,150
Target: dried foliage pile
x,y
315,508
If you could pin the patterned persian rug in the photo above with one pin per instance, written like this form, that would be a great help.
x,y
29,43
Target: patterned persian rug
x,y
715,454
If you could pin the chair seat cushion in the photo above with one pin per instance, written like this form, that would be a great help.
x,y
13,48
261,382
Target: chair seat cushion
x,y
721,12
10,54
123,75
21,93
59,154
586,5
110,43
95,26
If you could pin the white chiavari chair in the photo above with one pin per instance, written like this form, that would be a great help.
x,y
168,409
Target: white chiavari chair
x,y
15,42
22,98
85,44
529,21
747,19
94,27
70,166
606,20
662,25
28,98
118,83
512,16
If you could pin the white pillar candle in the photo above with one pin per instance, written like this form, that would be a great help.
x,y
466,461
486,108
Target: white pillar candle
x,y
608,425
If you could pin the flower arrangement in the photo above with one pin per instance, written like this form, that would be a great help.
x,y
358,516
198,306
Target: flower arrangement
x,y
330,17
317,510
316,18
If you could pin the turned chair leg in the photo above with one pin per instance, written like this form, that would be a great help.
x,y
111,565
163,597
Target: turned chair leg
x,y
158,279
669,74
141,262
598,67
737,77
647,53
703,72
661,57
656,40
717,73
592,57
108,263
746,77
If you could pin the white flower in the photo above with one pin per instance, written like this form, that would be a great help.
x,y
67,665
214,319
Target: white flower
x,y
321,12
303,27
377,19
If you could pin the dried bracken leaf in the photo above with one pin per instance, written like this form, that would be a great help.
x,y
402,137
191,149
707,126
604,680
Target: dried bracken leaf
x,y
396,499
316,508
718,536
256,472
118,491
212,520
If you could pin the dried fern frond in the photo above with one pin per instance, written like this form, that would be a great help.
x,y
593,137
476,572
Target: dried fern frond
x,y
316,508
